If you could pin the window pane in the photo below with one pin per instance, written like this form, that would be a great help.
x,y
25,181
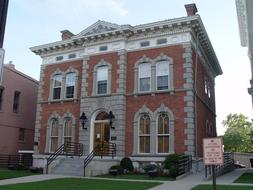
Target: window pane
x,y
144,84
163,144
70,91
102,87
68,128
144,124
144,70
102,73
162,82
162,68
144,145
70,79
57,93
54,144
57,81
54,128
163,124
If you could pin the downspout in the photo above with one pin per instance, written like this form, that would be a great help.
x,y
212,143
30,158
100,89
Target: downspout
x,y
195,103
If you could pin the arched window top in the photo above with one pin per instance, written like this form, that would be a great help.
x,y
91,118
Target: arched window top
x,y
163,123
162,57
102,116
144,124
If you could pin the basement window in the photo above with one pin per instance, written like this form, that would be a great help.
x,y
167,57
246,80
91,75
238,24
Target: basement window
x,y
161,41
59,58
72,56
103,48
144,44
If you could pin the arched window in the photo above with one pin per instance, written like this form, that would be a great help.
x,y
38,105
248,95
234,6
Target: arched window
x,y
163,133
162,75
57,85
102,80
54,135
144,77
67,131
70,85
144,134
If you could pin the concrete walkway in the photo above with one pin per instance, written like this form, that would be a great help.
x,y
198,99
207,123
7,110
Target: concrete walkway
x,y
186,183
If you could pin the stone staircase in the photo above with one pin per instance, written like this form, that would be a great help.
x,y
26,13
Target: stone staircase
x,y
72,166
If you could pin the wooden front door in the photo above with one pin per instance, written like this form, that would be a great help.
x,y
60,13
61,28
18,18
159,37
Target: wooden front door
x,y
101,133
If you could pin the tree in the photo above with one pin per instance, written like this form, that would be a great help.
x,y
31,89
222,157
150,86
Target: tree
x,y
238,136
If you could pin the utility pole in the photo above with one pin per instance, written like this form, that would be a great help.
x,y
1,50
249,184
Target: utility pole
x,y
3,16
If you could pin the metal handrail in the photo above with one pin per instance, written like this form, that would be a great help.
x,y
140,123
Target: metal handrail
x,y
68,149
102,149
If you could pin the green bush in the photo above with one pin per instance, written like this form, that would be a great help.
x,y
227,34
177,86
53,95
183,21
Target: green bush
x,y
170,163
127,164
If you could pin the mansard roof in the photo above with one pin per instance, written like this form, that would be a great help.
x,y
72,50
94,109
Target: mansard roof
x,y
103,29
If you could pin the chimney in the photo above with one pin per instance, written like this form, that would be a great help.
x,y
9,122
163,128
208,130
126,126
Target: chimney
x,y
66,34
191,9
10,65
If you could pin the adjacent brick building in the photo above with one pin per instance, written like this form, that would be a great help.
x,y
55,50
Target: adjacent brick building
x,y
18,95
156,78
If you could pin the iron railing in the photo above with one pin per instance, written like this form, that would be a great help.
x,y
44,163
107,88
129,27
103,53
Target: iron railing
x,y
184,164
16,161
102,149
68,149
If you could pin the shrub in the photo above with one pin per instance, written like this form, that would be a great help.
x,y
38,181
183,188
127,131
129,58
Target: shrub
x,y
170,163
116,170
127,164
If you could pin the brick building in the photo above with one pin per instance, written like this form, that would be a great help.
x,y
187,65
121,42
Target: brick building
x,y
18,95
157,79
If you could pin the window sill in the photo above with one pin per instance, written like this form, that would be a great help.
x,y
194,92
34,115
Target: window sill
x,y
100,95
62,100
153,93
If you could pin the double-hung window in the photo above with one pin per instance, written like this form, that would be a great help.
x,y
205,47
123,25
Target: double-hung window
x,y
162,75
144,77
144,134
16,101
163,133
102,80
70,85
54,134
57,85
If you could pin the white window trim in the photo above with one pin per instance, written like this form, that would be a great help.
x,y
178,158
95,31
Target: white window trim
x,y
169,78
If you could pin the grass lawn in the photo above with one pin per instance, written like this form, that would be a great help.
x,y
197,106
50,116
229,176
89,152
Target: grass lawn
x,y
222,187
80,184
245,178
6,174
137,176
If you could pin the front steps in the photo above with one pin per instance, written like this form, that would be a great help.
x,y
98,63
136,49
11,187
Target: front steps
x,y
74,166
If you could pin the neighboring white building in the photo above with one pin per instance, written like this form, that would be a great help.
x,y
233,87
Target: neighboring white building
x,y
245,20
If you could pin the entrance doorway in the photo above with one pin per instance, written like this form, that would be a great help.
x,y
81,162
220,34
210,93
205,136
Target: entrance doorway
x,y
101,132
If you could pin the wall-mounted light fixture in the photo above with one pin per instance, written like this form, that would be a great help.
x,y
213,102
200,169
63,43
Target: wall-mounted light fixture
x,y
111,118
83,120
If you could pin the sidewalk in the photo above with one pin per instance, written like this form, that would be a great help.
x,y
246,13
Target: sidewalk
x,y
191,181
186,183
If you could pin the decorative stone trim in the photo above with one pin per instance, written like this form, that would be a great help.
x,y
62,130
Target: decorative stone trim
x,y
39,110
121,71
189,100
54,115
66,116
153,129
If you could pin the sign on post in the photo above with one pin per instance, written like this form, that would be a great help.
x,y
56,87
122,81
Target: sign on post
x,y
213,151
1,64
213,154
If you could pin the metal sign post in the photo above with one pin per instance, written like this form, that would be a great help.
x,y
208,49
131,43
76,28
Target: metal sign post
x,y
213,154
1,64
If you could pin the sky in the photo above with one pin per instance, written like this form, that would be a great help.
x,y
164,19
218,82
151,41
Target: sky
x,y
37,22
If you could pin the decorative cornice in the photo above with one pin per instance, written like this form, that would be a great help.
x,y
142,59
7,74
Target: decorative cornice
x,y
183,24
